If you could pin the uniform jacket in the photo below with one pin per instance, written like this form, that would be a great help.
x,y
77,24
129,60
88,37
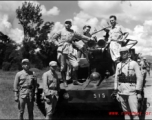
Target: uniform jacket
x,y
134,70
50,83
143,67
25,83
115,33
66,39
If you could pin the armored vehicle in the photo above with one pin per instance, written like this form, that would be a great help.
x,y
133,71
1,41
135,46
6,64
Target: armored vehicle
x,y
98,82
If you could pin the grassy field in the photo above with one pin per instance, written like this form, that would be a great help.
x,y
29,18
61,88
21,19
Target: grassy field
x,y
8,107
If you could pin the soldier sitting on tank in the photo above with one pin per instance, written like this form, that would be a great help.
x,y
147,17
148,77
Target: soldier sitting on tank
x,y
65,46
128,85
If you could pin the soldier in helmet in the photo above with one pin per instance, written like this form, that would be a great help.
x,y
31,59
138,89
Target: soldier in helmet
x,y
128,85
65,47
25,88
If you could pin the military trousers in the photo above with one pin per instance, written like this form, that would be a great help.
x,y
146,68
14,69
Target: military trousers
x,y
129,104
65,66
73,62
50,107
30,105
115,50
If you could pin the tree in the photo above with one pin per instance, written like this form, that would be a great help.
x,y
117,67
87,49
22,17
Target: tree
x,y
29,16
9,53
47,50
35,31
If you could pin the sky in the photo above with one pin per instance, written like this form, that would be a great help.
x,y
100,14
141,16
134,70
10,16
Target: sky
x,y
135,17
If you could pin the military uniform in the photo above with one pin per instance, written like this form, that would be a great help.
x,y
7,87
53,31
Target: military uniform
x,y
115,35
128,80
65,47
25,85
84,54
144,71
50,88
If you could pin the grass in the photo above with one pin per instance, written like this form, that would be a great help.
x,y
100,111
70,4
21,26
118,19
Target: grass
x,y
8,107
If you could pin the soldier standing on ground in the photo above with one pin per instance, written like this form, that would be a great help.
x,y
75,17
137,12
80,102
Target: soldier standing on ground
x,y
25,88
144,69
65,45
51,87
128,85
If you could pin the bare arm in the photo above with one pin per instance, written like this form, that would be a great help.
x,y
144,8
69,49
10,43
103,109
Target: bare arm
x,y
125,35
138,73
83,37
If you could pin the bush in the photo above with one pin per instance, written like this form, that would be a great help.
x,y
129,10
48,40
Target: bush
x,y
14,67
6,66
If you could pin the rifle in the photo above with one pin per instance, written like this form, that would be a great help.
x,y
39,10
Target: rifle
x,y
100,30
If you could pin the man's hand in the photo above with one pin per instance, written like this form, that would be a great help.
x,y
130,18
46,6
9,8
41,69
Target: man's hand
x,y
54,92
114,94
16,99
117,97
47,100
139,97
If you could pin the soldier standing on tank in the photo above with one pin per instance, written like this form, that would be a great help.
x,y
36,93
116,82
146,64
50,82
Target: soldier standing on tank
x,y
86,32
65,46
51,87
116,38
25,89
128,85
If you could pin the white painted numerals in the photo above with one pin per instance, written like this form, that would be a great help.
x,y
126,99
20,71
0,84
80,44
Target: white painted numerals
x,y
98,95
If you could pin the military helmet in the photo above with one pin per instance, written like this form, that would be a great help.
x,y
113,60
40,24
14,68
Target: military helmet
x,y
95,76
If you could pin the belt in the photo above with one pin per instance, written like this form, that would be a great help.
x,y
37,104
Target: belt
x,y
127,81
28,87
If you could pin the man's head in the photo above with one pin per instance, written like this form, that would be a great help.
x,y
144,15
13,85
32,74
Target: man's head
x,y
86,28
113,20
25,64
68,24
144,58
124,52
53,65
140,55
138,60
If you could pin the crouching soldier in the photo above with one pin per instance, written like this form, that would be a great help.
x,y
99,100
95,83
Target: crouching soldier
x,y
128,85
25,88
51,88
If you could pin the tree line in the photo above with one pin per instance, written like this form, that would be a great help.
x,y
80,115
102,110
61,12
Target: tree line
x,y
34,46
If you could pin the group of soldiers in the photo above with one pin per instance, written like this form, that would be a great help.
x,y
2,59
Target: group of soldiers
x,y
128,76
